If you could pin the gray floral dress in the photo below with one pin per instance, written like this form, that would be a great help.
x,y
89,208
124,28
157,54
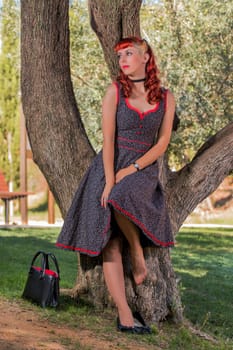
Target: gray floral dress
x,y
88,226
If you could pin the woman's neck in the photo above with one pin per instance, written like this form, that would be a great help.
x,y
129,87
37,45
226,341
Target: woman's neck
x,y
138,89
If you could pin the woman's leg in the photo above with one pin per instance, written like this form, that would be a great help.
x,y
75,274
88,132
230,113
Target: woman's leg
x,y
114,278
131,232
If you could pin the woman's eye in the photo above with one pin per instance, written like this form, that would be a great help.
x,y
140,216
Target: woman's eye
x,y
129,53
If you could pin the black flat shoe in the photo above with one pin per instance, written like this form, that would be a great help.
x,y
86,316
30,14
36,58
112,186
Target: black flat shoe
x,y
139,326
124,329
140,323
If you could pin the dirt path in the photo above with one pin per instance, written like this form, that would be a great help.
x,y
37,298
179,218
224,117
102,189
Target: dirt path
x,y
21,329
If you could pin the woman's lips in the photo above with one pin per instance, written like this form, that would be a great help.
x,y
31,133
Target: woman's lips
x,y
125,67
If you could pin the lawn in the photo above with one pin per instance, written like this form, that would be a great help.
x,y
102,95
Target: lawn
x,y
203,262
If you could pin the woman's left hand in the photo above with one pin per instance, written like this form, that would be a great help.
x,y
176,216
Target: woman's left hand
x,y
124,172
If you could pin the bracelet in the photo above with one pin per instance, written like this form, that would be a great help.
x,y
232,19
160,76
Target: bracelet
x,y
136,166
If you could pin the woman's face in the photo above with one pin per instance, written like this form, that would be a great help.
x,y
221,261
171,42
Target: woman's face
x,y
132,61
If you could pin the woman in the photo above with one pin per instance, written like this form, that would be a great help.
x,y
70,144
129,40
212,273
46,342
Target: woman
x,y
120,200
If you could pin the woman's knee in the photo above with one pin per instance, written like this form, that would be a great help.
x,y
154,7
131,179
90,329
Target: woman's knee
x,y
112,250
123,222
118,216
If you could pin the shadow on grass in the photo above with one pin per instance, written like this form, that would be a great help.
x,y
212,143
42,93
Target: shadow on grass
x,y
66,302
203,262
17,248
40,208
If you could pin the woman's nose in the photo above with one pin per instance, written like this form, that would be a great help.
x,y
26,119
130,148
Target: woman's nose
x,y
122,58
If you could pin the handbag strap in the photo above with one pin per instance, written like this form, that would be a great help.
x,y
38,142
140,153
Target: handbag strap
x,y
45,261
40,252
53,258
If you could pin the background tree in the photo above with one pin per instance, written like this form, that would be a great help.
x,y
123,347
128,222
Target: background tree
x,y
62,151
194,42
89,72
9,89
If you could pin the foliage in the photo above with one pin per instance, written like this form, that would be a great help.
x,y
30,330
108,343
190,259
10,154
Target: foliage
x,y
193,41
9,89
203,266
88,70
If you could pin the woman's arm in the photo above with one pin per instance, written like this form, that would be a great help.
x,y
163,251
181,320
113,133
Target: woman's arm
x,y
161,145
163,137
109,107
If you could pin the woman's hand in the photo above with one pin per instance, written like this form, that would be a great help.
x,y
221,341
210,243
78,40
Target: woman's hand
x,y
124,172
105,194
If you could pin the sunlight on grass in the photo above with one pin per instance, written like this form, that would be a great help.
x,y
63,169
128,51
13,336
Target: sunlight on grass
x,y
196,273
207,297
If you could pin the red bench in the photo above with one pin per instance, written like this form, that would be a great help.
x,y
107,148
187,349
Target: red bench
x,y
7,196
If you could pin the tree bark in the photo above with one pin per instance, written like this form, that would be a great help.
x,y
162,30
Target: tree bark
x,y
57,137
62,151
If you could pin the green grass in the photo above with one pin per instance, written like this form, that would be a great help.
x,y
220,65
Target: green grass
x,y
202,260
17,248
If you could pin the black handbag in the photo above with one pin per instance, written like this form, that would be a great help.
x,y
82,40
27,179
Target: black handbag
x,y
42,286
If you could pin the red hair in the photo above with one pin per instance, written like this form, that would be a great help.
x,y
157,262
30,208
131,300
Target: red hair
x,y
152,83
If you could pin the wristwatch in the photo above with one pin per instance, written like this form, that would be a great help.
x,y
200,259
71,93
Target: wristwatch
x,y
136,166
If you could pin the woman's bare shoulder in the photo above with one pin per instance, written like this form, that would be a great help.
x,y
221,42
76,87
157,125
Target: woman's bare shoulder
x,y
111,93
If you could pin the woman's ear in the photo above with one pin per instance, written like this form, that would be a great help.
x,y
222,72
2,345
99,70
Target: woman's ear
x,y
146,57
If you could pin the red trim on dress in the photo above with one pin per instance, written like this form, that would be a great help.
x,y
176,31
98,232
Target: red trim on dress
x,y
81,250
138,223
85,251
141,114
132,149
117,92
136,141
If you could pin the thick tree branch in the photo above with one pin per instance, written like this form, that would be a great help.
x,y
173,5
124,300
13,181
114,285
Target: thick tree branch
x,y
198,179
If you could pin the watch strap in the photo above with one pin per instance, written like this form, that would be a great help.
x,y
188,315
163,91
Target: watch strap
x,y
136,166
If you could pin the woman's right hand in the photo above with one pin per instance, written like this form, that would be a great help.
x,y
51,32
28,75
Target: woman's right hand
x,y
105,194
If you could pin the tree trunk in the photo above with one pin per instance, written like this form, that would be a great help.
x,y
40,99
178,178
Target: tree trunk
x,y
62,151
58,140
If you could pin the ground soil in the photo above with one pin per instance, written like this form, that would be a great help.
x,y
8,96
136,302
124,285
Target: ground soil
x,y
22,329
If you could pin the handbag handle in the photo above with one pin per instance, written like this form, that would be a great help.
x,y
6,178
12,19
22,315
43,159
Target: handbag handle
x,y
45,261
53,258
40,252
